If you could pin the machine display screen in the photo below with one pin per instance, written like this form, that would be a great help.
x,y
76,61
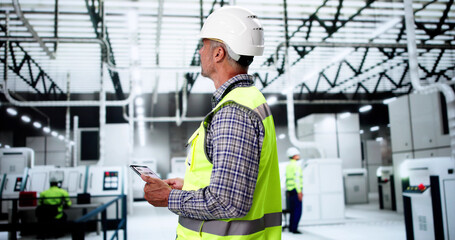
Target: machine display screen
x,y
110,180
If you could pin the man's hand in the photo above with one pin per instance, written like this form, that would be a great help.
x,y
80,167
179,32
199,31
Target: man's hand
x,y
300,195
156,191
175,183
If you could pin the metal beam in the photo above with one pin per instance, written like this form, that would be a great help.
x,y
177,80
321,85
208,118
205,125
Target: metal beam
x,y
369,45
50,89
24,20
97,18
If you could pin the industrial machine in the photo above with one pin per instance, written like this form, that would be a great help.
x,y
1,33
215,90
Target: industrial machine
x,y
15,160
96,180
323,195
386,188
355,185
429,197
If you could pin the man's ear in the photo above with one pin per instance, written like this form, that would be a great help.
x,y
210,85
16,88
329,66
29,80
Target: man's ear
x,y
219,54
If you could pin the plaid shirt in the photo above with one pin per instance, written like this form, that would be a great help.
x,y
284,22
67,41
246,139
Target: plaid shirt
x,y
233,145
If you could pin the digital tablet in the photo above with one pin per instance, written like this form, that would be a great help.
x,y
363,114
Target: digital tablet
x,y
144,170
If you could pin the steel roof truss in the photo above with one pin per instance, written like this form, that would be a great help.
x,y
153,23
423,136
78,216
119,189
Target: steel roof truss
x,y
96,16
51,92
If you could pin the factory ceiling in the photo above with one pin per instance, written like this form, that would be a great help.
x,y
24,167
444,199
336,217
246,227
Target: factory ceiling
x,y
345,47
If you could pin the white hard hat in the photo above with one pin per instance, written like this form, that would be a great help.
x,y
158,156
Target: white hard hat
x,y
238,28
291,152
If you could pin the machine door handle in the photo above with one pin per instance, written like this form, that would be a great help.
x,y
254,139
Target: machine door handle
x,y
80,180
6,184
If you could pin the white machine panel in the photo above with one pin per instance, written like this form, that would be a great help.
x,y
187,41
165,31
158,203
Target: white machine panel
x,y
38,178
11,188
323,196
12,185
15,160
355,185
428,193
398,159
449,203
106,180
73,180
400,125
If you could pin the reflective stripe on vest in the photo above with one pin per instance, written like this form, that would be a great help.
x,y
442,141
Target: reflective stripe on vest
x,y
263,111
235,227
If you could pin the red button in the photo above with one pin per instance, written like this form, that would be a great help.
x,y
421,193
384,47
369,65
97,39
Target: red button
x,y
422,187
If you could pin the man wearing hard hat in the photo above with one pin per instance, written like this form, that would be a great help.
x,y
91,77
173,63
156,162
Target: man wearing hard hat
x,y
232,184
57,197
294,195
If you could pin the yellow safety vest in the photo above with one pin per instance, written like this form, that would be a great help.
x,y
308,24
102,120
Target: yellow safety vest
x,y
55,196
294,179
263,221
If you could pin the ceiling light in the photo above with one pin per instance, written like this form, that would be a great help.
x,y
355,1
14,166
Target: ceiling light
x,y
37,124
26,119
282,136
54,133
0,144
374,129
365,108
379,139
7,146
46,129
272,100
11,111
345,115
389,100
61,137
361,131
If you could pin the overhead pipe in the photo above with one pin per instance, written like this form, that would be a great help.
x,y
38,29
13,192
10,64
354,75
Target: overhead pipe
x,y
445,89
24,20
363,45
316,102
77,103
291,116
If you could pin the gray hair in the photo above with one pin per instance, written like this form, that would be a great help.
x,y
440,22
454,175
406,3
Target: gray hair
x,y
214,44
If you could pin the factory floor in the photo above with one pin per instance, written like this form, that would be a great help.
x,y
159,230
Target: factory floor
x,y
363,221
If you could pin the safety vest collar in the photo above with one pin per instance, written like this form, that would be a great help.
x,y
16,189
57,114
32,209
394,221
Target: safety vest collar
x,y
234,227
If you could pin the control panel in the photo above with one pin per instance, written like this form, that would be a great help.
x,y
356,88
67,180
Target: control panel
x,y
417,189
111,180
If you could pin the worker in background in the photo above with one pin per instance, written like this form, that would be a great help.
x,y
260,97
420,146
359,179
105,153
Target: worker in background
x,y
56,197
232,184
294,195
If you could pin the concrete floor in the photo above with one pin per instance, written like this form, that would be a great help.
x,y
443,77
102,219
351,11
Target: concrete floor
x,y
363,221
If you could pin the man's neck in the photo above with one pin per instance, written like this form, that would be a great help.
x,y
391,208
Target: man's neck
x,y
223,75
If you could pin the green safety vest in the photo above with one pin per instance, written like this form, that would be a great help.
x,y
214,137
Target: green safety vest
x,y
263,221
55,196
294,177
